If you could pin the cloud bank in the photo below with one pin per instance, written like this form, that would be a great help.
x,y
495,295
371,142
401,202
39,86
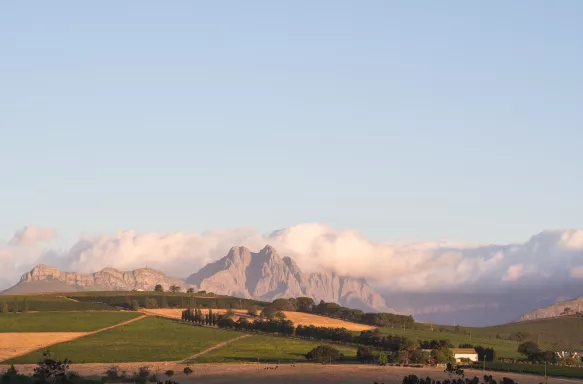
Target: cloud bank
x,y
32,235
388,266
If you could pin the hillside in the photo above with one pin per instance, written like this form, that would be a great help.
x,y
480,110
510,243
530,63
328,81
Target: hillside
x,y
554,310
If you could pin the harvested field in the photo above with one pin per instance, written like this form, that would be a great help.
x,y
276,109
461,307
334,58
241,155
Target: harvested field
x,y
147,339
62,321
288,374
16,344
298,318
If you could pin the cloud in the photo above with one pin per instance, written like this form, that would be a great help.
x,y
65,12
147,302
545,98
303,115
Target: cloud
x,y
32,235
389,266
577,273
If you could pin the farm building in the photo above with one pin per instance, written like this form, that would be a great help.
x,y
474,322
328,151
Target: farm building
x,y
465,353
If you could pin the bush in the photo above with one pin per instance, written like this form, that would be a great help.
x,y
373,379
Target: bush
x,y
169,373
324,353
383,359
187,371
112,373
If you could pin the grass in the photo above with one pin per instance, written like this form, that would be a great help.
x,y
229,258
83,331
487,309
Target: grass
x,y
149,339
61,321
537,369
51,302
266,349
503,348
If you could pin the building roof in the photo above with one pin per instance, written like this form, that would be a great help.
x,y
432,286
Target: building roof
x,y
465,351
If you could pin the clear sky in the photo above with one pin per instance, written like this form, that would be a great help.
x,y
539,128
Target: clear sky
x,y
400,119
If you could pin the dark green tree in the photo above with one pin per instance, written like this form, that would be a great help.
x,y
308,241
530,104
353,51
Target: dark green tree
x,y
324,354
163,302
158,288
135,305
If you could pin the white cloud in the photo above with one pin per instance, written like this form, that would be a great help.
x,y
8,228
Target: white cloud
x,y
572,240
412,266
32,234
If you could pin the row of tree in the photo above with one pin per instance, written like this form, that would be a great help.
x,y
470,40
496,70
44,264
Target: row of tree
x,y
334,310
16,307
196,316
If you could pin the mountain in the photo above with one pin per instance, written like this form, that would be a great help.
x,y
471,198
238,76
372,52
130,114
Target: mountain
x,y
267,276
43,278
554,310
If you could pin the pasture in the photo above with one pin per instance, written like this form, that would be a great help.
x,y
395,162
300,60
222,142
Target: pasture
x,y
61,321
149,339
50,302
503,348
267,349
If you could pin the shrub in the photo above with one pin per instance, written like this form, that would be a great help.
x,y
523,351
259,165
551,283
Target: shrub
x,y
169,373
324,353
187,371
383,359
112,373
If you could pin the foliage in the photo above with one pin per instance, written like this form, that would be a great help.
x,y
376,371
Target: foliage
x,y
324,353
158,288
383,359
50,370
169,373
135,305
187,371
175,288
252,311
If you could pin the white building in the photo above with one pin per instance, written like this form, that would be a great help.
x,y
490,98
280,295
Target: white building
x,y
464,353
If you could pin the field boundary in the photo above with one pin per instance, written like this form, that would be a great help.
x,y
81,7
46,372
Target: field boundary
x,y
217,346
81,334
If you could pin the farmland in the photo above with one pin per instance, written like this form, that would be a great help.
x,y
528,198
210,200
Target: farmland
x,y
149,339
50,302
266,348
503,348
298,318
16,344
61,321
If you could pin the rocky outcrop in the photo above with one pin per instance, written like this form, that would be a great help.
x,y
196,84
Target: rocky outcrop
x,y
562,308
267,276
108,279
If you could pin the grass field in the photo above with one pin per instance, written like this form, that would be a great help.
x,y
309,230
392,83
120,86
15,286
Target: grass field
x,y
503,348
50,302
537,369
266,349
150,339
61,321
16,344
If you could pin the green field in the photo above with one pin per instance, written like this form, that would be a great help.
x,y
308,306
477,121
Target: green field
x,y
537,369
267,348
50,302
61,321
149,339
503,348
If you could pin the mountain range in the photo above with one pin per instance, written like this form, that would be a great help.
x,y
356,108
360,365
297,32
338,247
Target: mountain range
x,y
264,275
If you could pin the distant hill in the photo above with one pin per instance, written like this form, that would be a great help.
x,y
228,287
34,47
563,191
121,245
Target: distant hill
x,y
561,308
43,278
266,275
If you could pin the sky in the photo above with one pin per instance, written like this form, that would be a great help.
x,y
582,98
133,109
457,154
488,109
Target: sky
x,y
400,120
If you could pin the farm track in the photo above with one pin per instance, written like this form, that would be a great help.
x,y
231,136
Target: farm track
x,y
217,346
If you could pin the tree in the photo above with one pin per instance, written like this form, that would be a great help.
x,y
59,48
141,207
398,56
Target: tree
x,y
279,315
187,371
163,302
190,291
305,304
252,311
365,354
324,353
135,305
50,370
268,313
175,288
520,336
15,305
4,307
567,311
284,304
25,305
383,359
418,357
158,288
528,348
169,373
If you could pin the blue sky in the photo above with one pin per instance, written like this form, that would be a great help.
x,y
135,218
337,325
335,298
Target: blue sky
x,y
417,120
